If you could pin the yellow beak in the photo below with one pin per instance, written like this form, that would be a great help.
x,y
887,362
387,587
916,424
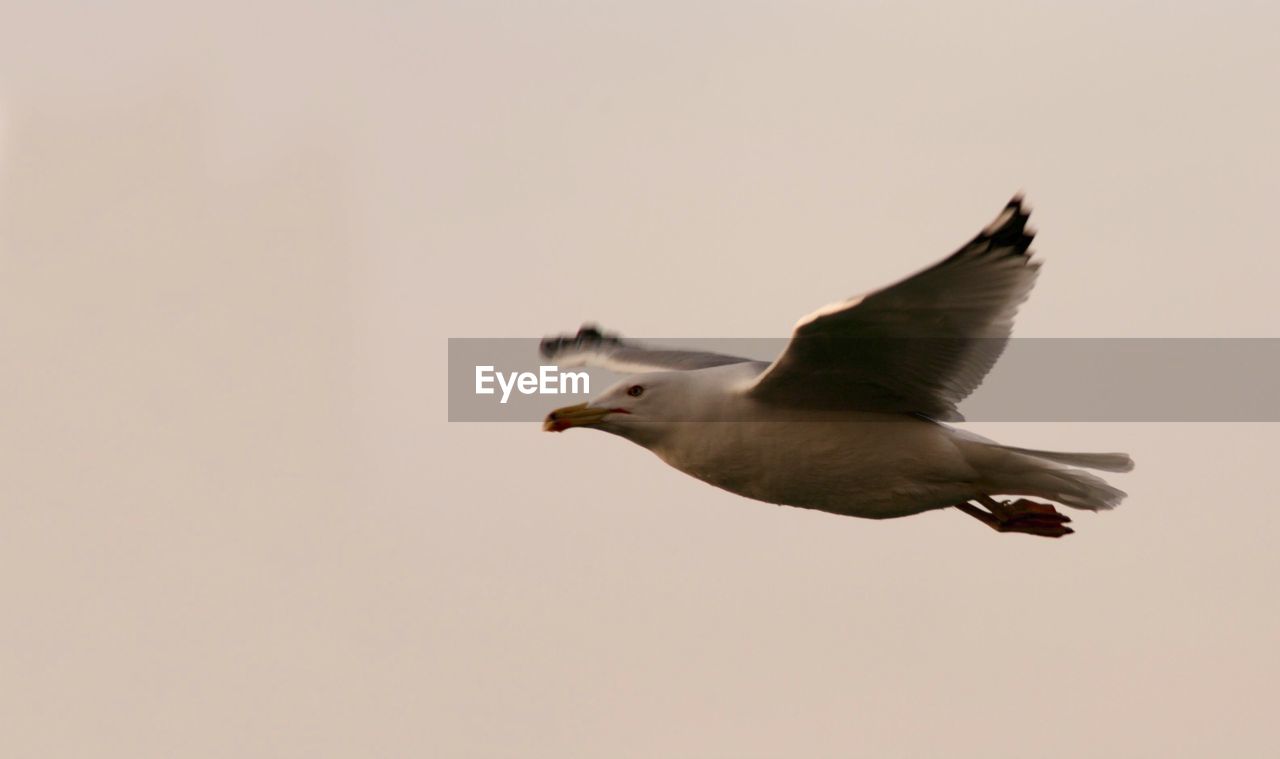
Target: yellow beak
x,y
581,415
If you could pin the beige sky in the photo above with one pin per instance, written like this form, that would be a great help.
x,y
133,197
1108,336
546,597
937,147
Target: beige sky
x,y
233,518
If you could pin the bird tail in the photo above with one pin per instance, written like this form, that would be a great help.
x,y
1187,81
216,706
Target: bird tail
x,y
1004,470
1106,462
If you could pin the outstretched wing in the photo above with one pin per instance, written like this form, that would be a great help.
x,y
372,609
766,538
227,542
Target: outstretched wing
x,y
919,346
591,347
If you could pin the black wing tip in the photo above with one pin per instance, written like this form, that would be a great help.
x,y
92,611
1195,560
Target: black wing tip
x,y
1009,230
589,336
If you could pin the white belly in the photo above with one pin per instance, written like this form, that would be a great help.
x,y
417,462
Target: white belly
x,y
866,465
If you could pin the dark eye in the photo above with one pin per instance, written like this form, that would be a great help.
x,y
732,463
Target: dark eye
x,y
635,391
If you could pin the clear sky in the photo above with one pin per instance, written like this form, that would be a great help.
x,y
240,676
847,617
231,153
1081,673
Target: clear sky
x,y
233,242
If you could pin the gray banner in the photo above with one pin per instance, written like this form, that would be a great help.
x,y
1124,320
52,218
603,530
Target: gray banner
x,y
1036,379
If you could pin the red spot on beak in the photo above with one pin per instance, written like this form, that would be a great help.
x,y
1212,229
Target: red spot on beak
x,y
581,415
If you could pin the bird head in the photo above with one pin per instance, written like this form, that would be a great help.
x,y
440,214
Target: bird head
x,y
627,408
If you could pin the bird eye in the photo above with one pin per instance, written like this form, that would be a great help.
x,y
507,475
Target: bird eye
x,y
635,391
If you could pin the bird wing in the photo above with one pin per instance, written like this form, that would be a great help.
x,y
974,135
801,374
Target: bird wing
x,y
919,346
591,347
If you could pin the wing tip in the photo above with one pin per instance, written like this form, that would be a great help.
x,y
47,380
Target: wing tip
x,y
1009,230
589,335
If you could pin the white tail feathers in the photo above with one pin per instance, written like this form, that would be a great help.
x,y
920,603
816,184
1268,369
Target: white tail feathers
x,y
1004,470
1073,487
1106,462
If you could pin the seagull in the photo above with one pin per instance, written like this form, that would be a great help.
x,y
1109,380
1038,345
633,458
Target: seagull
x,y
849,419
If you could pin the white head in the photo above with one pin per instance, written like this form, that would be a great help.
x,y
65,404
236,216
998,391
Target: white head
x,y
639,408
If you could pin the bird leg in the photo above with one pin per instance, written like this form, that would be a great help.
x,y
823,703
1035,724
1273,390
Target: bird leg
x,y
1021,515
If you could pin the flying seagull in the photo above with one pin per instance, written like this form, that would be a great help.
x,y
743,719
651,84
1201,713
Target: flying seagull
x,y
849,419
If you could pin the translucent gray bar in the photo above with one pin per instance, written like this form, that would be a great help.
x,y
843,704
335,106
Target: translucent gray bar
x,y
1035,380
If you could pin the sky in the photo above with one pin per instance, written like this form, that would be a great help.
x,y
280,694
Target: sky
x,y
235,239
